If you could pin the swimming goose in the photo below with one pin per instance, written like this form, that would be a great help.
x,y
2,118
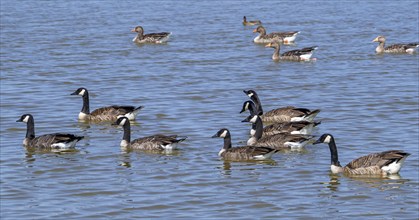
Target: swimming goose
x,y
46,141
157,38
395,48
292,55
244,152
250,23
276,141
284,114
109,113
153,142
284,37
387,162
292,127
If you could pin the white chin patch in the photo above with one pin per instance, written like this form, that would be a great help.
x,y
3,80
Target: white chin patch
x,y
224,134
253,120
327,139
82,92
250,94
26,119
123,121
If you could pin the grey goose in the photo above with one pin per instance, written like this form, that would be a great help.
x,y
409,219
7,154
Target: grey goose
x,y
154,142
54,141
250,23
157,38
303,54
241,153
383,163
395,48
284,37
109,113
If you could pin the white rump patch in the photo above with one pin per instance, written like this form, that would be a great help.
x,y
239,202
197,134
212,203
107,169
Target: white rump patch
x,y
394,167
64,145
306,56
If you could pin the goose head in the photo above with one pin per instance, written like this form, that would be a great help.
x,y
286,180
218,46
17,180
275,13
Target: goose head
x,y
25,118
222,133
138,29
260,30
380,39
80,91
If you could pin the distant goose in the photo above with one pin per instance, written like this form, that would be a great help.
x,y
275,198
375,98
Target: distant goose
x,y
284,37
243,152
276,141
250,23
109,113
158,38
387,162
292,127
46,141
153,142
284,114
395,48
292,55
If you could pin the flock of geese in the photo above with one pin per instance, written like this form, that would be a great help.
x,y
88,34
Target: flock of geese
x,y
286,127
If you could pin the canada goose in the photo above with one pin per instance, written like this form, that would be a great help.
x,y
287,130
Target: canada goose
x,y
243,152
292,127
284,114
387,162
277,141
292,55
153,142
250,23
284,37
109,113
395,48
157,38
46,141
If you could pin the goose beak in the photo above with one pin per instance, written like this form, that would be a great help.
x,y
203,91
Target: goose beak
x,y
246,120
245,92
74,93
242,111
214,136
317,142
255,30
268,45
133,30
375,40
19,120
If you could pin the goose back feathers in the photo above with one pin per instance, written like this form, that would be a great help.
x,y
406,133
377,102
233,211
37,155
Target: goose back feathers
x,y
157,38
304,54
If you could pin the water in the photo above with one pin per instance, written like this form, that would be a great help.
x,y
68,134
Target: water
x,y
193,86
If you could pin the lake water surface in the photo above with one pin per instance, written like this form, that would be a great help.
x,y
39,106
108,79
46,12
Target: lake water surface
x,y
193,86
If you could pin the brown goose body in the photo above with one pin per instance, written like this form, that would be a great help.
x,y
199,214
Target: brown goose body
x,y
383,163
157,38
304,54
157,142
47,141
109,113
244,152
284,37
294,127
395,48
284,114
276,141
250,23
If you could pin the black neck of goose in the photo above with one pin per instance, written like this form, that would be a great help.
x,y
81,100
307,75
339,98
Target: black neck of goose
x,y
252,108
86,108
258,127
127,131
30,129
227,142
258,105
334,152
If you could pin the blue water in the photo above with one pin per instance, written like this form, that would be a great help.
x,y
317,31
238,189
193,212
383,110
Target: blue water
x,y
193,86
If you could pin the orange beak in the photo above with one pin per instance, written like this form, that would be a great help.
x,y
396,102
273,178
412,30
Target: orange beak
x,y
133,30
256,30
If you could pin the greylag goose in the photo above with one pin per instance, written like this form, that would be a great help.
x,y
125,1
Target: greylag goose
x,y
292,55
157,38
284,37
395,48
